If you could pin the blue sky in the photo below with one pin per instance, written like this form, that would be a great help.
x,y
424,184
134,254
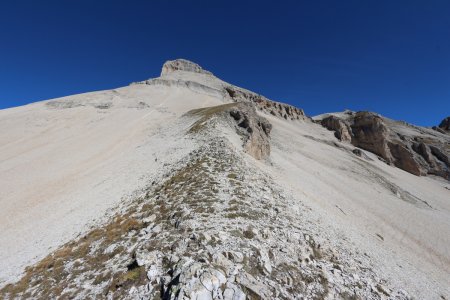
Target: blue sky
x,y
392,57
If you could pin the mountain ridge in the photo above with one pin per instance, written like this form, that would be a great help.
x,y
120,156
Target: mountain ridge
x,y
185,186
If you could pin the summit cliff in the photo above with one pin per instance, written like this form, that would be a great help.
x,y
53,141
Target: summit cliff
x,y
182,65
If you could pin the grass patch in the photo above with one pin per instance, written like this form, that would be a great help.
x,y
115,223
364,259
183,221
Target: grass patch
x,y
232,176
50,276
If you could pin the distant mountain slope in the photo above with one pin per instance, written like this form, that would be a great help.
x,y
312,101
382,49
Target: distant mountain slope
x,y
185,186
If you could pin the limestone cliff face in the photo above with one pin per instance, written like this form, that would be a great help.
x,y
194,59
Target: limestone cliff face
x,y
417,150
274,108
341,129
254,129
182,65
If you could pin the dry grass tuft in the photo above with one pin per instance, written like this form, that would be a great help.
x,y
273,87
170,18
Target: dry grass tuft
x,y
205,114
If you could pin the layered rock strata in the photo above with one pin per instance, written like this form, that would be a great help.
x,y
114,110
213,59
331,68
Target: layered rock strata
x,y
417,150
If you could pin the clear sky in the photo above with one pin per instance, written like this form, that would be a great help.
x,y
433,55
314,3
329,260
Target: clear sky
x,y
392,57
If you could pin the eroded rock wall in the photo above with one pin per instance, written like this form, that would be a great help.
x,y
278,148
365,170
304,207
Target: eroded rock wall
x,y
410,148
274,108
253,129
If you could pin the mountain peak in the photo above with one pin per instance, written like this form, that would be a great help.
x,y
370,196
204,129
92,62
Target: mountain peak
x,y
182,65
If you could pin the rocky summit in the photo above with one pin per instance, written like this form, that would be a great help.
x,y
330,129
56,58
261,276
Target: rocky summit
x,y
187,187
182,65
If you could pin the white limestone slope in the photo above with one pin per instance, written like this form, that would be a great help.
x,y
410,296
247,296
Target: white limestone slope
x,y
378,209
65,162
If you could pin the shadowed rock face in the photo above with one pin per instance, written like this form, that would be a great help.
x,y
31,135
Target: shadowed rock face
x,y
445,124
341,129
417,150
254,129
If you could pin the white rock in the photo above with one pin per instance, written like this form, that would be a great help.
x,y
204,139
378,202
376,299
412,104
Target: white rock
x,y
149,219
144,257
153,273
265,260
156,229
228,294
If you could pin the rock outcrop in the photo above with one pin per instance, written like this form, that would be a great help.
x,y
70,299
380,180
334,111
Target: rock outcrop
x,y
182,65
445,124
253,129
274,108
341,129
417,150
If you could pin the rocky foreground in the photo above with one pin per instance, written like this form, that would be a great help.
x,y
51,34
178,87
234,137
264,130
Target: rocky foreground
x,y
247,198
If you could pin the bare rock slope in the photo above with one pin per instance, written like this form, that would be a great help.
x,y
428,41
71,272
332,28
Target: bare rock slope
x,y
188,187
